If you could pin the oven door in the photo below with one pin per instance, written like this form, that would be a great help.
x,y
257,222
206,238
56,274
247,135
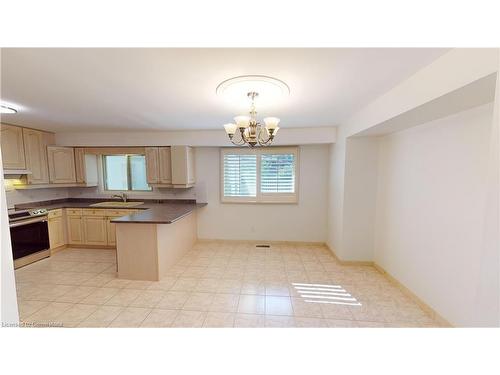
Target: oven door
x,y
29,236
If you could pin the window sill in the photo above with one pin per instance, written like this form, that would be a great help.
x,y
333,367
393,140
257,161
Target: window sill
x,y
264,202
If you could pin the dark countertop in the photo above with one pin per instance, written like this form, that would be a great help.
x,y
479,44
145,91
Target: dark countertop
x,y
163,213
152,211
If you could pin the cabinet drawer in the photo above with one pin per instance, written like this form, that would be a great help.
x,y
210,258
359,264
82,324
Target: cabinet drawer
x,y
55,213
119,212
74,211
93,212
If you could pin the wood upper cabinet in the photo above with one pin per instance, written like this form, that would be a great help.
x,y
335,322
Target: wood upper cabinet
x,y
61,164
165,165
35,150
12,147
170,166
80,164
85,167
152,165
183,166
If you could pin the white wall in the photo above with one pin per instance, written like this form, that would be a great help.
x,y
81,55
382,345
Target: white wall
x,y
487,309
453,70
199,138
336,160
360,189
305,221
9,312
430,210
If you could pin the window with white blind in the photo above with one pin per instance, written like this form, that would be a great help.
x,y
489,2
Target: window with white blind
x,y
267,175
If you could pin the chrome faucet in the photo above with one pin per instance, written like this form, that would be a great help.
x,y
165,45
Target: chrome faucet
x,y
122,196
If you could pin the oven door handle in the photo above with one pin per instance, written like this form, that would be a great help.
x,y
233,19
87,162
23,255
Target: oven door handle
x,y
26,222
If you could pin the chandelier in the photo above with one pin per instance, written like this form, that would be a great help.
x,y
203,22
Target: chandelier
x,y
250,131
247,130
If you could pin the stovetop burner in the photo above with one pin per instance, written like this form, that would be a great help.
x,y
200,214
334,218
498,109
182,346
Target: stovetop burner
x,y
26,214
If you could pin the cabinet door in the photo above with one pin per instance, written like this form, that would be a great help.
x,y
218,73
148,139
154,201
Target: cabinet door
x,y
111,231
191,172
75,230
12,147
94,229
111,227
80,164
35,151
183,166
56,232
61,164
165,165
152,165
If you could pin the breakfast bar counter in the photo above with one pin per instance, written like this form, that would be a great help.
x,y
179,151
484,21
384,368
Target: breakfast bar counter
x,y
162,213
149,243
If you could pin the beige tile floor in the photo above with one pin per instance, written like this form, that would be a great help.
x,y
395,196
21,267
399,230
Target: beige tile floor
x,y
217,284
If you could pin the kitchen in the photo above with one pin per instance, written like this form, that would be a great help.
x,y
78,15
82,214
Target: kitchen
x,y
40,229
234,187
130,207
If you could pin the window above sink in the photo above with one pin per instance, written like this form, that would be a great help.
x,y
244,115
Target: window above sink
x,y
125,173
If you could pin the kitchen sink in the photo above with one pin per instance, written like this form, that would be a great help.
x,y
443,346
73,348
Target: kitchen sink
x,y
116,204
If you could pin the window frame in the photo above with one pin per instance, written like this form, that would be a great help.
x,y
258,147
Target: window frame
x,y
129,174
261,198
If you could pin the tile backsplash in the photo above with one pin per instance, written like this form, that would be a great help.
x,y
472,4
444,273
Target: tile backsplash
x,y
32,195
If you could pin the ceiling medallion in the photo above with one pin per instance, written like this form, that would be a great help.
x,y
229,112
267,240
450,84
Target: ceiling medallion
x,y
249,131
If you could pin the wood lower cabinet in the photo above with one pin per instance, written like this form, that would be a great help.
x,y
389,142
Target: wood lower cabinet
x,y
12,141
111,227
111,231
94,230
92,227
56,229
75,227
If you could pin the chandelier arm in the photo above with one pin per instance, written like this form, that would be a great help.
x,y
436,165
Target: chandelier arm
x,y
263,141
240,142
267,142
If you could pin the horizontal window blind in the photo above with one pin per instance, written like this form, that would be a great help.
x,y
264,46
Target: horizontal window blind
x,y
240,175
277,173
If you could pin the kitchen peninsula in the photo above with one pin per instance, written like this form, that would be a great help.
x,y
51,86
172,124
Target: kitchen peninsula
x,y
148,243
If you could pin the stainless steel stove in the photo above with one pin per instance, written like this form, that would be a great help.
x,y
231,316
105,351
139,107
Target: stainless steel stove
x,y
29,234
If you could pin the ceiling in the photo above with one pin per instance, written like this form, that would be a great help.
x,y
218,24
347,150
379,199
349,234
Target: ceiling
x,y
112,89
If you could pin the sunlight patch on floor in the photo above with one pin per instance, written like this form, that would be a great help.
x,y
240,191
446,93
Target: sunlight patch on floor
x,y
324,293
